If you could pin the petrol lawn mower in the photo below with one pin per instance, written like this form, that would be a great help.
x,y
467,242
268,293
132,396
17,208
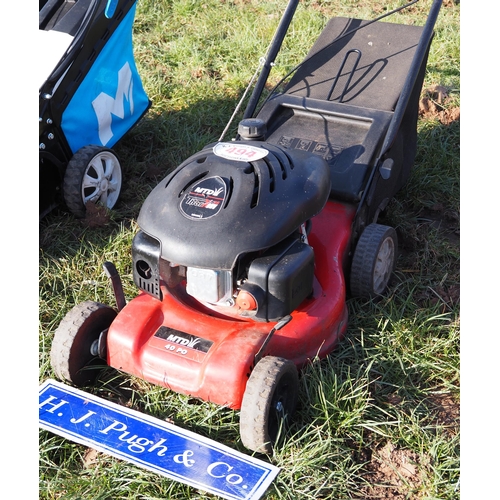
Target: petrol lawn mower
x,y
247,250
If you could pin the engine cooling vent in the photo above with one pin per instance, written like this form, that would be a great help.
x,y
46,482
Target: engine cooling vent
x,y
262,176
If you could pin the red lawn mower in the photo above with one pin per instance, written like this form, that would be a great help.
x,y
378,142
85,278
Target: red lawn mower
x,y
247,250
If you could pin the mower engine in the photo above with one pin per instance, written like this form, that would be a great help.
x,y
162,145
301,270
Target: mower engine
x,y
229,228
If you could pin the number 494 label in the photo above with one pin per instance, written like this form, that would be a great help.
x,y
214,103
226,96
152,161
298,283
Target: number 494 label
x,y
239,152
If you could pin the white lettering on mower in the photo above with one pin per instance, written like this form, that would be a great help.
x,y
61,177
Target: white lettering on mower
x,y
177,349
209,192
182,341
201,202
105,105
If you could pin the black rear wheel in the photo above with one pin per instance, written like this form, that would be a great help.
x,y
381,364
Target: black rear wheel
x,y
269,402
93,174
373,261
73,355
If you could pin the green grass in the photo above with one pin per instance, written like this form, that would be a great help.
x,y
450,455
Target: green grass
x,y
391,390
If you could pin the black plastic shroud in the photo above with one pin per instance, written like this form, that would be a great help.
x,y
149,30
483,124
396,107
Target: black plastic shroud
x,y
255,204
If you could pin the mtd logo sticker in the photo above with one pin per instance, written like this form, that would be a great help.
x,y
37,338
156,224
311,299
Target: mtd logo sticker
x,y
151,443
205,199
182,344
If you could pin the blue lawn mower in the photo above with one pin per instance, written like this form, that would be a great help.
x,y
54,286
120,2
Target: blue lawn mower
x,y
90,96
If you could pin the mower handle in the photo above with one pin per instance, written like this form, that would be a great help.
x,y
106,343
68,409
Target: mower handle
x,y
270,57
416,64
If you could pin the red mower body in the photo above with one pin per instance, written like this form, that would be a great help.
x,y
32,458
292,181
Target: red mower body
x,y
210,356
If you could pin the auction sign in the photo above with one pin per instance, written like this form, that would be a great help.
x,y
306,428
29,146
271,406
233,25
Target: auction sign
x,y
152,444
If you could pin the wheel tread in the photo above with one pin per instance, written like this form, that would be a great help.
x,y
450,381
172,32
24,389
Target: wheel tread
x,y
69,335
257,399
364,259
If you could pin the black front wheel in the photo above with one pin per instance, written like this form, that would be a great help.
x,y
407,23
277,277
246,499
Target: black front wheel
x,y
269,402
74,353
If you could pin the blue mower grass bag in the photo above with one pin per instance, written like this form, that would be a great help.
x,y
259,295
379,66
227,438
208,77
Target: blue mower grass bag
x,y
91,95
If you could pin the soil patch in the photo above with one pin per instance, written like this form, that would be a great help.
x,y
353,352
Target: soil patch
x,y
434,105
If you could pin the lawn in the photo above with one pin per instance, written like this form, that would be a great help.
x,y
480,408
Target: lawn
x,y
378,418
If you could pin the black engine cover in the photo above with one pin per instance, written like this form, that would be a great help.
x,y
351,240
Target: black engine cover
x,y
233,198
